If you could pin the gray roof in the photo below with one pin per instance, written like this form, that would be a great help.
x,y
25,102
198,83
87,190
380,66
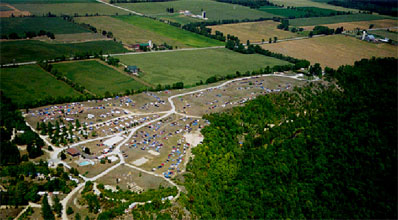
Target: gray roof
x,y
132,67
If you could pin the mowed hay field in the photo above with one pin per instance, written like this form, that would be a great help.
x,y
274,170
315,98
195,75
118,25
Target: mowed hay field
x,y
332,51
55,25
28,83
335,19
70,9
190,67
254,31
31,50
127,33
187,38
214,10
97,77
384,23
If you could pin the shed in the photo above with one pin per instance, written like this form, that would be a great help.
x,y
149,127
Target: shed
x,y
73,152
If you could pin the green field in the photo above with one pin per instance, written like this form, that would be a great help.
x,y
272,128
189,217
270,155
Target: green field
x,y
55,25
385,34
335,19
70,9
192,66
214,10
30,83
97,77
185,37
310,3
44,1
30,50
299,12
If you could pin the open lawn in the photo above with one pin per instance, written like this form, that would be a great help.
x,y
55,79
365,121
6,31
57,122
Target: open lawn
x,y
187,38
30,50
384,23
335,19
55,25
70,9
96,77
254,31
309,3
340,49
214,10
192,66
127,33
29,83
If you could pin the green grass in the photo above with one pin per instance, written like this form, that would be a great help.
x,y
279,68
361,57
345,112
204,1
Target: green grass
x,y
30,50
45,1
97,78
214,10
188,38
335,19
384,33
70,9
31,83
55,25
299,12
192,66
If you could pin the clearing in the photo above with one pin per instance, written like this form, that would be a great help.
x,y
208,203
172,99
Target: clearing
x,y
184,37
29,50
341,49
31,83
254,31
191,67
97,77
335,19
214,10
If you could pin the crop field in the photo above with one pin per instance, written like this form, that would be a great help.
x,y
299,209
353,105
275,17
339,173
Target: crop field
x,y
335,19
29,83
192,66
254,31
310,3
96,77
45,1
70,9
127,33
187,38
9,11
341,49
384,23
79,37
30,50
214,10
301,11
55,25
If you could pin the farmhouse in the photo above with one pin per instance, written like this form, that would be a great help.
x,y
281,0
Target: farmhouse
x,y
141,46
73,152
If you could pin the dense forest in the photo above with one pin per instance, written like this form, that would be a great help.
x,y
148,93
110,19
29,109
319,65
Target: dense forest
x,y
386,7
322,151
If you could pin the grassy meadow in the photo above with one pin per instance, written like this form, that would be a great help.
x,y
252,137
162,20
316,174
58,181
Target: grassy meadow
x,y
341,50
214,10
29,83
185,37
335,19
70,9
192,66
30,50
97,77
254,31
55,25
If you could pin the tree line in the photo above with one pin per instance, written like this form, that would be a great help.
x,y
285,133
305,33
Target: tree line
x,y
385,7
29,34
321,151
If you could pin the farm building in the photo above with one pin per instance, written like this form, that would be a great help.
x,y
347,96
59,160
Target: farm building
x,y
148,45
133,69
73,152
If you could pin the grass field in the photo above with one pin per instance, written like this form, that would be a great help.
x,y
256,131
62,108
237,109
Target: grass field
x,y
30,50
5,8
96,77
384,23
214,10
192,66
335,19
341,50
55,25
185,37
30,82
300,12
386,34
127,33
44,1
254,31
309,3
70,9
